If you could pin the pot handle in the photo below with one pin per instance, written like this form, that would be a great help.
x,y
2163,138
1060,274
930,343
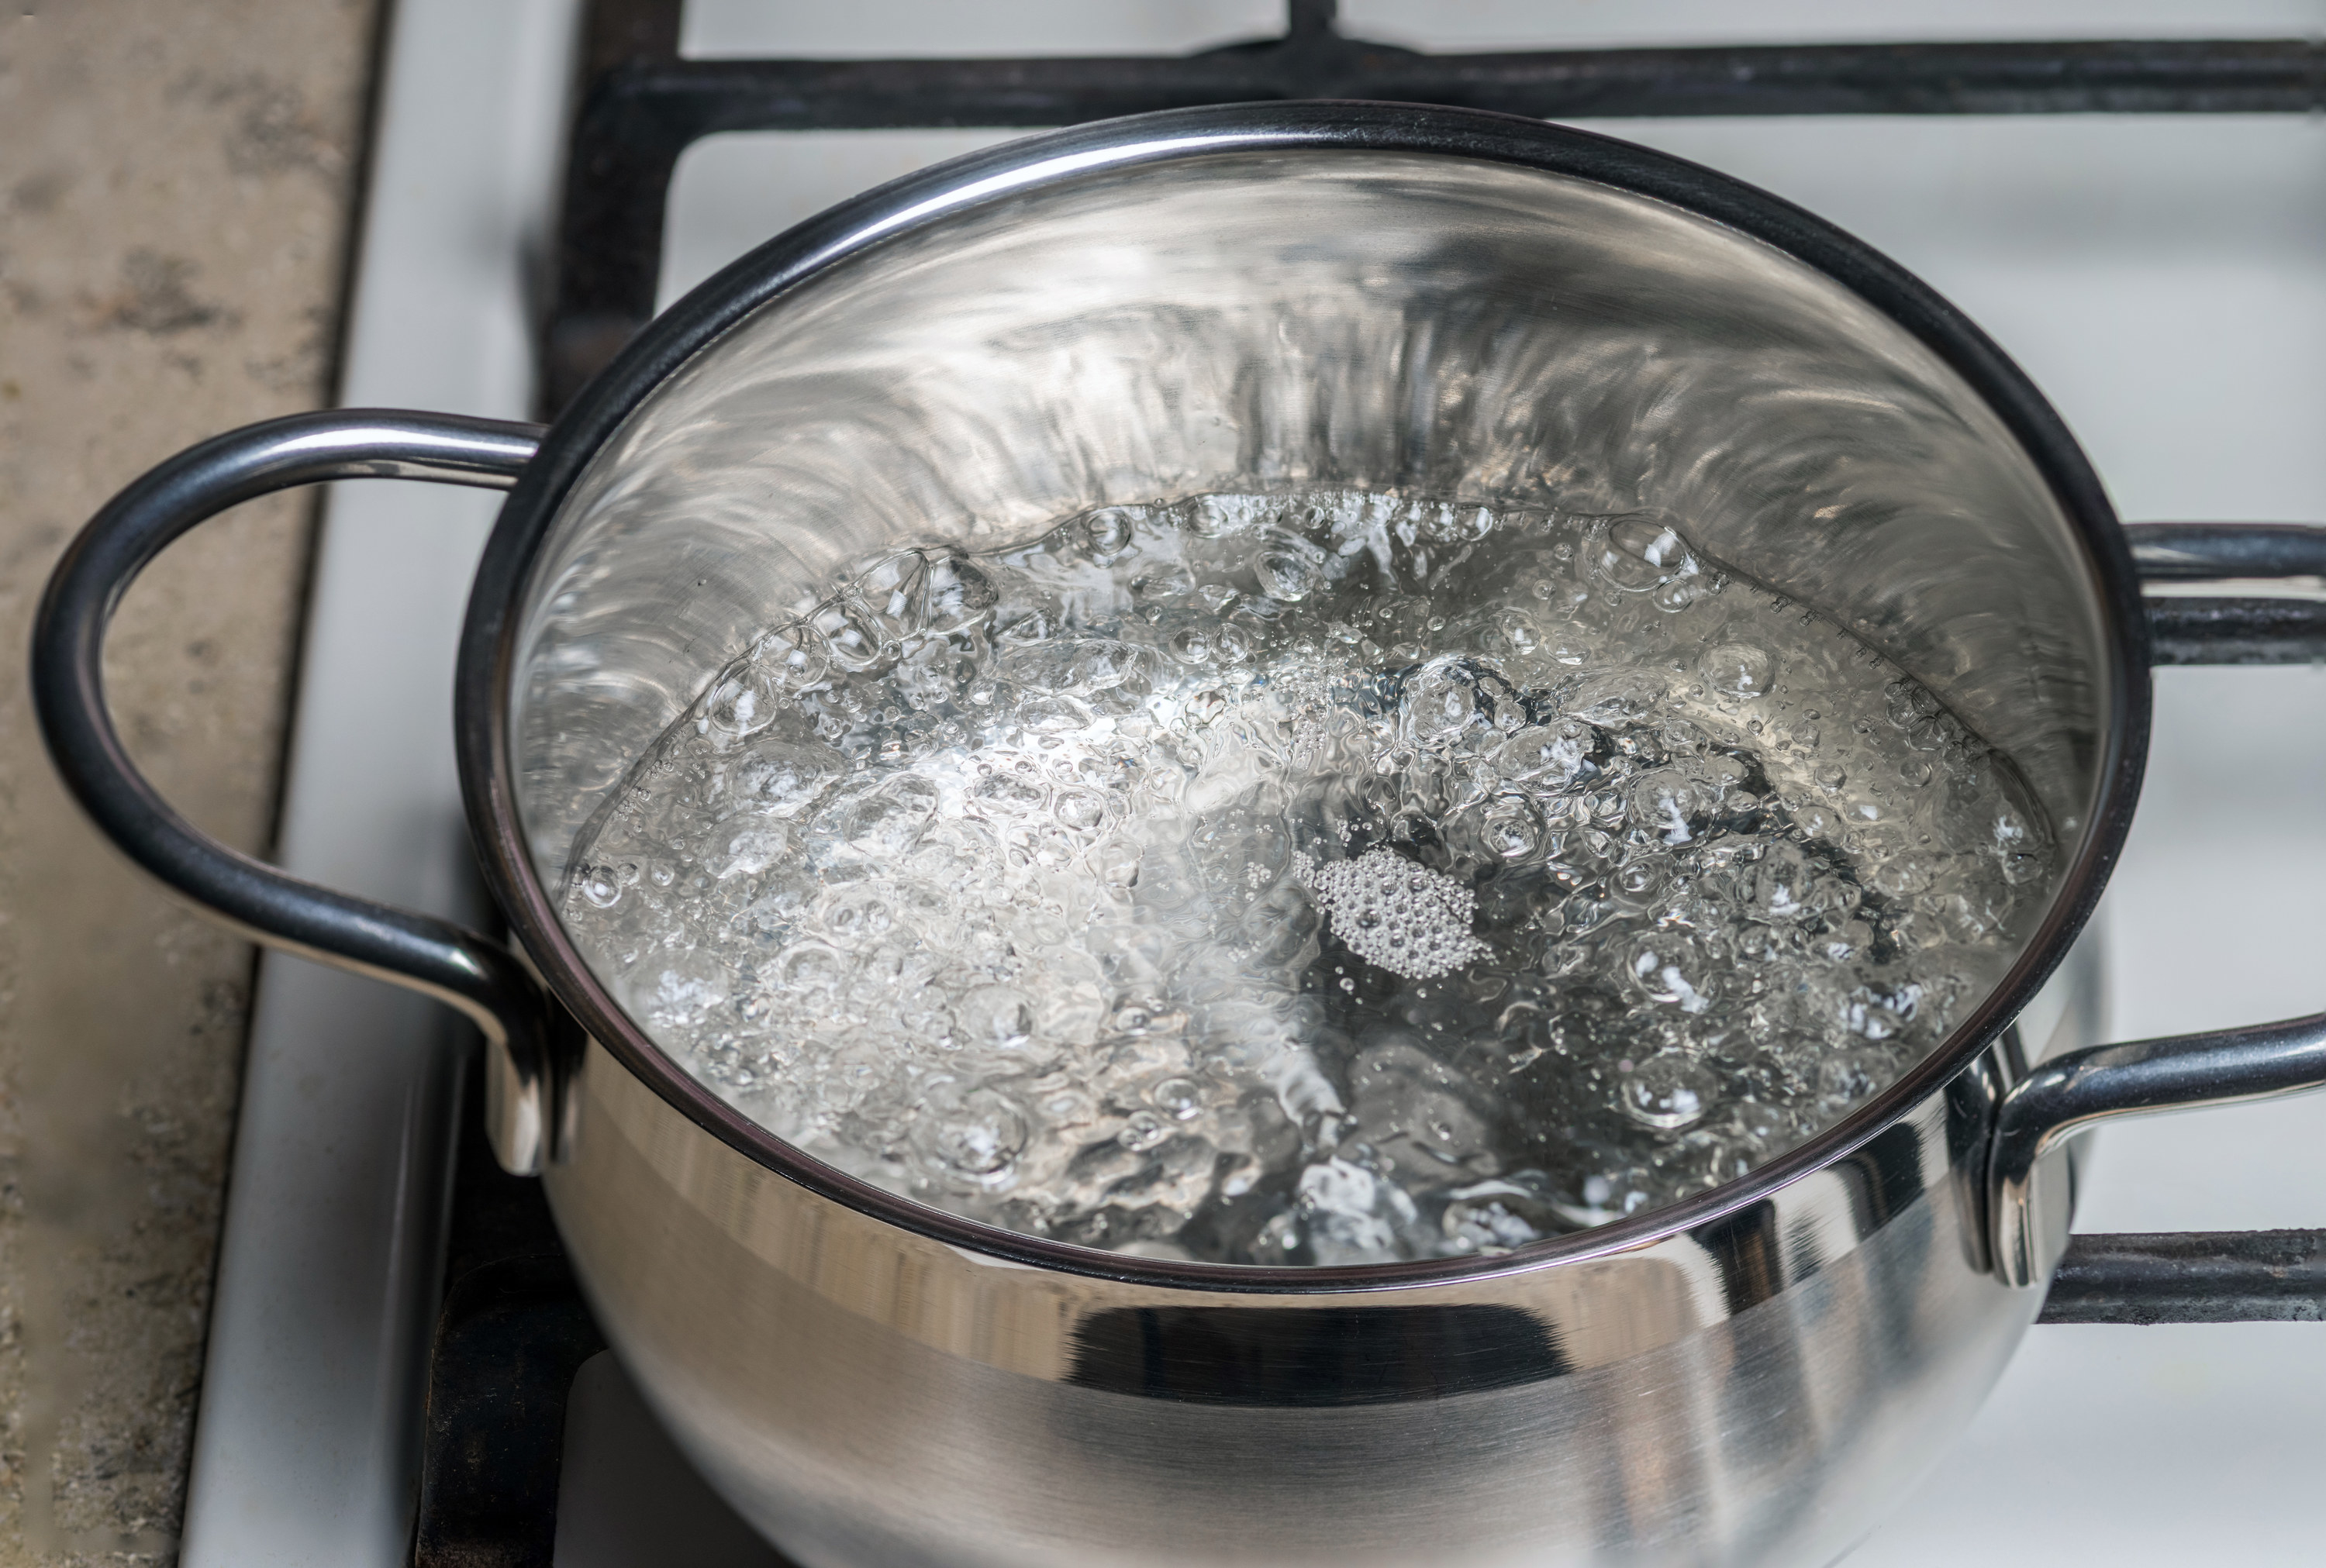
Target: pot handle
x,y
480,978
2139,1279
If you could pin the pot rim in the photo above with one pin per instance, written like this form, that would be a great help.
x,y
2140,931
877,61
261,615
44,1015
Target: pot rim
x,y
484,686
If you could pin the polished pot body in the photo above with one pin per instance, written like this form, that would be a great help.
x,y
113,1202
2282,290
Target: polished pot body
x,y
1118,318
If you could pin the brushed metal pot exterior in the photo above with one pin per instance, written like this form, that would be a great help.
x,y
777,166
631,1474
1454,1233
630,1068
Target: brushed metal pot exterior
x,y
1259,297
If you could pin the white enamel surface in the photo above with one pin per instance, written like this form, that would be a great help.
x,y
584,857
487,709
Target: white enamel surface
x,y
305,1448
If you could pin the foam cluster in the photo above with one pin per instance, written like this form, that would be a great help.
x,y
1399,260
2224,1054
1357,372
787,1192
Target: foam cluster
x,y
1394,912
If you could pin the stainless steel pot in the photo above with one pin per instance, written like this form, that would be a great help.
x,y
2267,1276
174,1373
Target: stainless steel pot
x,y
1262,296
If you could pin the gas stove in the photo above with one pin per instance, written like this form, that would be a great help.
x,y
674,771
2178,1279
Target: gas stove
x,y
400,1368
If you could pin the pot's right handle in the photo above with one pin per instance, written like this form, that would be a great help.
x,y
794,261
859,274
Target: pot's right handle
x,y
477,976
2082,1087
2133,1279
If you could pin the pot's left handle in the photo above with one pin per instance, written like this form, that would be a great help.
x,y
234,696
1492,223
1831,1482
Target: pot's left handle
x,y
477,976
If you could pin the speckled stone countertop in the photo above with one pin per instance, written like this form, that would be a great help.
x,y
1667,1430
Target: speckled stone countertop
x,y
176,183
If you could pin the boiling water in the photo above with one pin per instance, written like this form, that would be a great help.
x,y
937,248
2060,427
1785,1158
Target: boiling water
x,y
1320,879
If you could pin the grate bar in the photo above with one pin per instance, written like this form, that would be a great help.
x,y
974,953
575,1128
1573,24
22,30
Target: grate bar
x,y
2240,1277
638,116
2172,76
2177,562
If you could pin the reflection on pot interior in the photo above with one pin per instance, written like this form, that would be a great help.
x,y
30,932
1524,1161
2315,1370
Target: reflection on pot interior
x,y
1325,878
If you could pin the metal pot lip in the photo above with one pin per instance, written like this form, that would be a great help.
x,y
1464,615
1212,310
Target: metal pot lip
x,y
488,650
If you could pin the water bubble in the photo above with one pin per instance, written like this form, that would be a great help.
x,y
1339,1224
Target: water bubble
x,y
790,660
1666,1092
1497,1216
959,595
1512,826
1668,805
1180,1099
2017,846
1284,575
1668,968
1349,1213
979,1135
1737,668
1641,878
811,966
1558,755
1450,698
1079,809
1881,1012
996,1016
1191,647
1683,588
891,598
1102,664
1593,1197
1143,1130
1108,531
1220,516
784,779
750,851
1909,704
1010,793
1438,703
1051,715
892,819
1638,554
858,638
1619,699
855,914
1116,861
685,987
1166,580
1519,631
1205,707
742,703
1027,630
1850,1078
1784,885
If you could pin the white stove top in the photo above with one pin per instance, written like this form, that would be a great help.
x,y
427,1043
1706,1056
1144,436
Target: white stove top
x,y
2163,280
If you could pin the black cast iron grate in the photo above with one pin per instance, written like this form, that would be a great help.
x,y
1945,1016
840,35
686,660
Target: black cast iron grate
x,y
513,1328
641,106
